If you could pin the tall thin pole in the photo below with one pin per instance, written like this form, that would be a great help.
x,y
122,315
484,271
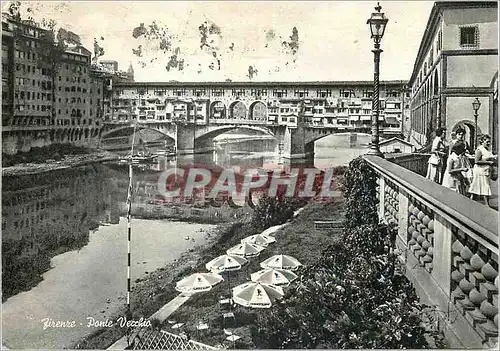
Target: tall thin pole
x,y
475,128
129,217
374,146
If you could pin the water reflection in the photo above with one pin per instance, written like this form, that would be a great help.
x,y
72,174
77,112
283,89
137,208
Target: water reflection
x,y
47,214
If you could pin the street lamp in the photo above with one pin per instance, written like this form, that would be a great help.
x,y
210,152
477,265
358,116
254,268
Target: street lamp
x,y
475,106
377,23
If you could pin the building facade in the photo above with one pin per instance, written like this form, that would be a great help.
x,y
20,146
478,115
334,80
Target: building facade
x,y
320,104
457,62
50,92
396,145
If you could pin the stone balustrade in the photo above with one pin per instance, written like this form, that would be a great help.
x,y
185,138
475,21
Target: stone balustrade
x,y
449,247
415,162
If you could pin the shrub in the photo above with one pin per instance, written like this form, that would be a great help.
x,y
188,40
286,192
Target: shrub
x,y
274,211
365,301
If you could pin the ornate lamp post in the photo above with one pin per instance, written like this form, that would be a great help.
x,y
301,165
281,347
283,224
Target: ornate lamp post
x,y
475,106
377,23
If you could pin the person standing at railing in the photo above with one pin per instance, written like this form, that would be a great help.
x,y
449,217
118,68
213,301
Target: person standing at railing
x,y
435,162
480,188
455,168
466,156
459,135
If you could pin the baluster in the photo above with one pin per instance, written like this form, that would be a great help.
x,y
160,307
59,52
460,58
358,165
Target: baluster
x,y
421,233
391,203
474,281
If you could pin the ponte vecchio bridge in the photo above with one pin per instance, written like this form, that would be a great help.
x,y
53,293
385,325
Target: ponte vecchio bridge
x,y
297,114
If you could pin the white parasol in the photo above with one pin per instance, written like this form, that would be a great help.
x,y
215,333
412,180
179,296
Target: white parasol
x,y
278,277
245,250
281,262
257,295
226,263
259,239
198,282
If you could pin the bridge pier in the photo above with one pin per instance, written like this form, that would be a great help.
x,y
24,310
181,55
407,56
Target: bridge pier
x,y
293,149
185,136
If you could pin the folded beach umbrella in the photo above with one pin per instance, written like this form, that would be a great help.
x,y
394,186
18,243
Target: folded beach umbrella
x,y
271,230
281,262
259,239
245,250
257,295
198,282
226,263
278,277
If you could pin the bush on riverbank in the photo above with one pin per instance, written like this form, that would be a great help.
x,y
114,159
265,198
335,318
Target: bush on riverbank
x,y
272,211
42,154
366,301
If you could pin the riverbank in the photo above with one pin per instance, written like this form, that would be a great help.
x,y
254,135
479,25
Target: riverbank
x,y
299,240
68,161
91,282
152,292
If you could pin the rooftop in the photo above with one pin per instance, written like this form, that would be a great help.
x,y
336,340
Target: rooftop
x,y
257,84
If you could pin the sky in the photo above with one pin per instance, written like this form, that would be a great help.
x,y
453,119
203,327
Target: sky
x,y
245,41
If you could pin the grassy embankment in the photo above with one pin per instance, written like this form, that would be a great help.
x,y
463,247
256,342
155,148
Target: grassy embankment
x,y
299,240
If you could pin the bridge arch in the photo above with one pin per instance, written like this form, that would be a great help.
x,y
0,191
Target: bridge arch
x,y
119,132
312,138
238,110
257,111
207,137
218,110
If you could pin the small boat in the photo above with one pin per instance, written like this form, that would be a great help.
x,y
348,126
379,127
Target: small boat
x,y
138,159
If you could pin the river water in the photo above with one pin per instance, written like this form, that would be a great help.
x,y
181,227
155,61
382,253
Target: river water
x,y
64,246
73,214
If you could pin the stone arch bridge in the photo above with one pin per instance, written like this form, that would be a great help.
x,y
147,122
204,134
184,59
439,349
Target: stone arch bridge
x,y
295,144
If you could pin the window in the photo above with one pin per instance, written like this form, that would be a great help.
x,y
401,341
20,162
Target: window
x,y
469,37
279,93
367,93
258,92
217,92
324,93
346,93
301,93
179,92
238,92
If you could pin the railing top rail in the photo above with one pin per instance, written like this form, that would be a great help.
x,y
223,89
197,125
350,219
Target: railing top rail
x,y
471,214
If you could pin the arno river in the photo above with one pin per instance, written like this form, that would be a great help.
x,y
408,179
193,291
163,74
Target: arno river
x,y
64,247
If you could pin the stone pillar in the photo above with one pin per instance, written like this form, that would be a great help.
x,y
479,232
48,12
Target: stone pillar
x,y
292,147
203,151
403,218
442,253
185,149
381,198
